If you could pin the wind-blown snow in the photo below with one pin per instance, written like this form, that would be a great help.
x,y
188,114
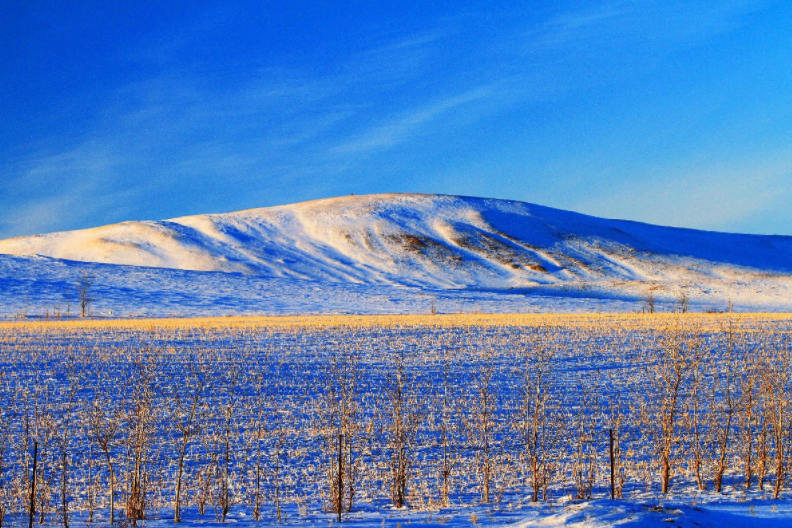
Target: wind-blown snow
x,y
443,243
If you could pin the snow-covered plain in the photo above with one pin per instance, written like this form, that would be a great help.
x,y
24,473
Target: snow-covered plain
x,y
286,367
36,287
687,511
385,254
394,253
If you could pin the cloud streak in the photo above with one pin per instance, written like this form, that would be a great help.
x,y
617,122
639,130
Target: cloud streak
x,y
177,141
408,125
718,198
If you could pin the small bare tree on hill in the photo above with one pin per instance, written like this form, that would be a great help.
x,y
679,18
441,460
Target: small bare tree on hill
x,y
84,287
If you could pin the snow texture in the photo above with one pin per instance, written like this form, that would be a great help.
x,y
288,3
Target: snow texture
x,y
394,253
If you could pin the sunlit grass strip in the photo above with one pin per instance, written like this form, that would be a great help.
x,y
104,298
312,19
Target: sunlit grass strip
x,y
418,320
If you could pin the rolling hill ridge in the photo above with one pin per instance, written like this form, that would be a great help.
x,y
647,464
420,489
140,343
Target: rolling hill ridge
x,y
433,241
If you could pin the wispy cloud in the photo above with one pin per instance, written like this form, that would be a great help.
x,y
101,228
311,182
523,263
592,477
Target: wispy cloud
x,y
405,126
639,22
177,136
66,190
719,197
176,142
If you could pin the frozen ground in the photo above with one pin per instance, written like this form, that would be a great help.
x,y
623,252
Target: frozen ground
x,y
599,513
41,286
594,356
38,285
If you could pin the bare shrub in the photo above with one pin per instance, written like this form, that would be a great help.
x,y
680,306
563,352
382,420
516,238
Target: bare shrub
x,y
536,418
340,427
667,367
403,413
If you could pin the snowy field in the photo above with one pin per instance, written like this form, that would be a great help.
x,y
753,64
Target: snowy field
x,y
465,419
38,287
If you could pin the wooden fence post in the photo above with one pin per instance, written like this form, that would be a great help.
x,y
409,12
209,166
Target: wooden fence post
x,y
613,488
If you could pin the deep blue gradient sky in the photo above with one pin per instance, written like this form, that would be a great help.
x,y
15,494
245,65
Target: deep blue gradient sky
x,y
676,112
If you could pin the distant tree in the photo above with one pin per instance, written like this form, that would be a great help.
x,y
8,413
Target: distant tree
x,y
84,287
683,302
650,302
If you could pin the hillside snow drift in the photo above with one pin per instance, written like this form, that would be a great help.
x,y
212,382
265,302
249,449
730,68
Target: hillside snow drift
x,y
421,240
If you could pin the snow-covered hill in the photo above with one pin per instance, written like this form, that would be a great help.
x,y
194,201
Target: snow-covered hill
x,y
424,240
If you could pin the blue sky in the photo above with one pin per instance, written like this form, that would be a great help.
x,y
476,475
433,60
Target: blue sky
x,y
670,112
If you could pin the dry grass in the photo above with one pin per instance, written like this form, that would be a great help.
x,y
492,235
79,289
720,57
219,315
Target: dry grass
x,y
475,405
707,321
